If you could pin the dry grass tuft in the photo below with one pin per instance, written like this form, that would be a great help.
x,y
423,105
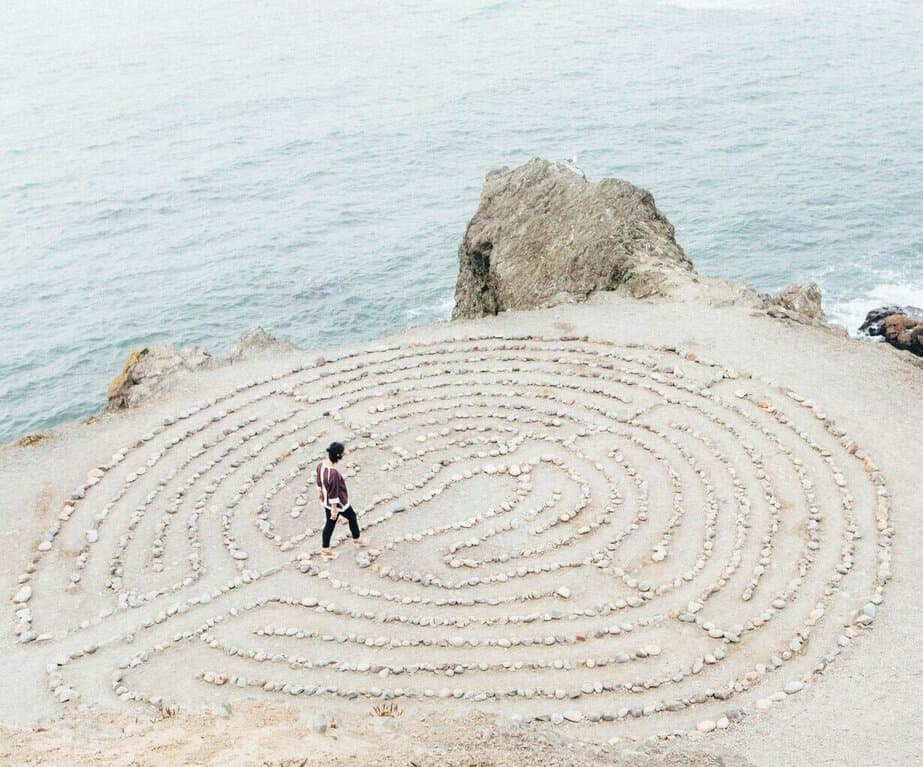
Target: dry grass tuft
x,y
167,710
389,708
30,439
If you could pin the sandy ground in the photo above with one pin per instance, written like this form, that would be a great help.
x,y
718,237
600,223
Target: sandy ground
x,y
152,610
270,737
256,735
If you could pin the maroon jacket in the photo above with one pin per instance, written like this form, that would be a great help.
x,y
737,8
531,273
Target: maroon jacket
x,y
332,486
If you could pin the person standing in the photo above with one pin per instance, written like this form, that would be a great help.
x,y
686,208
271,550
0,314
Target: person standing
x,y
333,494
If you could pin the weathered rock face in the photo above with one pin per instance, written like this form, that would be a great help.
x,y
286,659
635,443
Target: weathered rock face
x,y
800,302
904,332
258,341
544,235
900,326
874,323
146,369
148,372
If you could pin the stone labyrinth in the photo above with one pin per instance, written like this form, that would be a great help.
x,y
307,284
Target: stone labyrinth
x,y
625,541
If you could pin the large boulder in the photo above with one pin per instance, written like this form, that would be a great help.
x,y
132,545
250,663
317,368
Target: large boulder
x,y
800,301
874,323
900,326
904,332
543,235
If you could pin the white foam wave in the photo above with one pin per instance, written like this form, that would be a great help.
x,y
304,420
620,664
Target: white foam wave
x,y
430,313
851,313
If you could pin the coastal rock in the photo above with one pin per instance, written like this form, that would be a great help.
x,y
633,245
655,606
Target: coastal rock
x,y
146,369
904,332
258,341
800,301
321,722
874,323
900,326
150,371
544,235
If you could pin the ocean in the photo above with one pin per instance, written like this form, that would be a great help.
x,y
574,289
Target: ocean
x,y
183,171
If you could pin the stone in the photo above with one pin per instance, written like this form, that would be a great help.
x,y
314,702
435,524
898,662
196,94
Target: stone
x,y
320,723
543,234
23,595
800,302
220,710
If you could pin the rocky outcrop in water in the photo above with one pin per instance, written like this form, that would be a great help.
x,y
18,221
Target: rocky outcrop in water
x,y
874,323
150,371
900,326
544,235
800,301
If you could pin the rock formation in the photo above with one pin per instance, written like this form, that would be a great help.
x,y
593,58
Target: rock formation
x,y
149,371
904,332
258,341
874,323
900,326
544,235
800,301
145,371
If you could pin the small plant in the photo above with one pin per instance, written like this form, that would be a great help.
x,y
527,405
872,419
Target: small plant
x,y
30,439
388,708
167,710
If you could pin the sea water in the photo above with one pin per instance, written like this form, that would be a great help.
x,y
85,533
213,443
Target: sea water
x,y
182,171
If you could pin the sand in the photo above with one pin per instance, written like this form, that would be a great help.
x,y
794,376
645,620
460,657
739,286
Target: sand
x,y
676,524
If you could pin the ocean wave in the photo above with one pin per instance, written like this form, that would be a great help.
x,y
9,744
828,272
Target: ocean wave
x,y
742,5
851,313
442,310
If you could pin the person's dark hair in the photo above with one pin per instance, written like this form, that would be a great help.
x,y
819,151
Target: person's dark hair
x,y
335,451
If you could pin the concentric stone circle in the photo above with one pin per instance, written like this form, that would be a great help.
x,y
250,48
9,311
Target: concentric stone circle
x,y
626,540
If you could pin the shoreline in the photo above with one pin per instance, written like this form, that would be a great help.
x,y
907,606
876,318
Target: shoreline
x,y
28,438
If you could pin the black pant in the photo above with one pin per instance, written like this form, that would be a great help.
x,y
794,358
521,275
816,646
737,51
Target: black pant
x,y
332,523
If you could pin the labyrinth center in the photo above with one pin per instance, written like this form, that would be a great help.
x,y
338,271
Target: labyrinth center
x,y
621,540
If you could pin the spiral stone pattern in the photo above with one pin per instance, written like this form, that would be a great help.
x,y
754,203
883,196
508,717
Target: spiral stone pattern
x,y
626,541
